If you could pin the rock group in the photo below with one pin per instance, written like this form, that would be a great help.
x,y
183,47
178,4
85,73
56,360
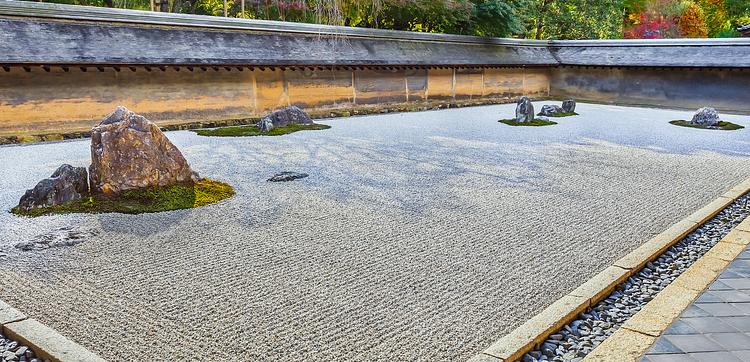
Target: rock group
x,y
706,117
549,110
127,152
524,110
66,184
284,117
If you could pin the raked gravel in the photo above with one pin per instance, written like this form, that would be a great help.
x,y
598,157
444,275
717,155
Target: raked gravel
x,y
419,236
577,339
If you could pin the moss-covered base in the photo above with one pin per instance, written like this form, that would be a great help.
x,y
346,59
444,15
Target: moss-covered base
x,y
563,114
723,125
147,200
534,123
252,130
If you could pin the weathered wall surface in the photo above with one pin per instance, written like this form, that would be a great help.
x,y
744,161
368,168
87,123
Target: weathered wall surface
x,y
725,89
57,101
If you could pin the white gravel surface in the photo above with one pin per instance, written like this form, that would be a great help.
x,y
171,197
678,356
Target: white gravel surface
x,y
417,236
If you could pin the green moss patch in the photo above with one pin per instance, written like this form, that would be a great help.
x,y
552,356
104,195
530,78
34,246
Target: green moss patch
x,y
155,199
534,123
563,114
723,125
252,130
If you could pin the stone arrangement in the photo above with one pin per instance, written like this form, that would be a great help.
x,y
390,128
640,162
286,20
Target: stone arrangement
x,y
66,184
127,152
524,110
578,338
284,117
549,110
12,351
706,117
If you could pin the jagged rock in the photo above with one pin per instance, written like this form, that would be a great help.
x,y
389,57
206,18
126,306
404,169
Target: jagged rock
x,y
550,110
265,124
284,117
66,184
287,176
130,152
569,106
542,118
524,110
706,116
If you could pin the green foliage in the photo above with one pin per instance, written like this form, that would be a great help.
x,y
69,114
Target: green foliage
x,y
534,123
723,125
252,130
540,19
147,200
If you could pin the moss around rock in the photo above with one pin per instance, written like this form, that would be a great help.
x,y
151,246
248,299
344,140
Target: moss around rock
x,y
561,114
155,199
723,125
534,123
252,130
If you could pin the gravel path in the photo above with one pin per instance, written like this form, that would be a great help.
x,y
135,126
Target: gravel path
x,y
420,236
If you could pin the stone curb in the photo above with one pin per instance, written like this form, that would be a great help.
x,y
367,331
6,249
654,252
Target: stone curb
x,y
46,343
657,315
628,342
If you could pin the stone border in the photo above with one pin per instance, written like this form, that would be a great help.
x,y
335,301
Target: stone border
x,y
673,299
46,343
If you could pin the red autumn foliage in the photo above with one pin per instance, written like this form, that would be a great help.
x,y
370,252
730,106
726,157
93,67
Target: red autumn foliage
x,y
651,27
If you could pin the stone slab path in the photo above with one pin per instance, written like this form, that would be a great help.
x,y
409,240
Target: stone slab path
x,y
716,327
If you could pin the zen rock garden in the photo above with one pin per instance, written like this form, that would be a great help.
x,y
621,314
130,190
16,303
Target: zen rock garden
x,y
288,120
707,118
525,115
134,169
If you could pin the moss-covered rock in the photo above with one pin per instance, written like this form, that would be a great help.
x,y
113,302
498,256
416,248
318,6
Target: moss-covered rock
x,y
252,130
722,125
154,199
560,114
535,123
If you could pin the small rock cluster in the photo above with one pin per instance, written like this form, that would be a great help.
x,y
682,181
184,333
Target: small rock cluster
x,y
12,351
578,338
66,184
127,152
706,116
284,117
550,110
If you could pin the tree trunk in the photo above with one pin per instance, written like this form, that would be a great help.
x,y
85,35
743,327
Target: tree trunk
x,y
540,20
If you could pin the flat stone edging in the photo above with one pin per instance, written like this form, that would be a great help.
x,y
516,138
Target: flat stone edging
x,y
46,343
668,304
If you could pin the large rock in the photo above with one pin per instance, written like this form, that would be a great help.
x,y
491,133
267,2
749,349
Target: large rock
x,y
66,184
569,106
706,116
130,152
550,110
284,117
524,110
